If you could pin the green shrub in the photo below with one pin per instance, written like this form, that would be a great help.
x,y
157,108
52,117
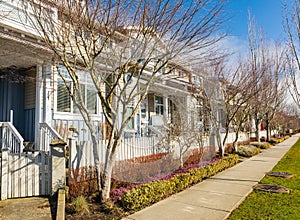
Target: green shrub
x,y
261,145
247,151
152,192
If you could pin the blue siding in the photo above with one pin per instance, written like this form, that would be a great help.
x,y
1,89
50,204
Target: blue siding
x,y
12,98
29,131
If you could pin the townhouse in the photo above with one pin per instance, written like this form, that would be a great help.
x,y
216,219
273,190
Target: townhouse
x,y
36,108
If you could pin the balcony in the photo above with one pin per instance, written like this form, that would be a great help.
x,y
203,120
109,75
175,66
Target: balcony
x,y
18,17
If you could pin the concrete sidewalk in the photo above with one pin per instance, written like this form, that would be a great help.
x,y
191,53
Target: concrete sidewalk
x,y
216,197
31,208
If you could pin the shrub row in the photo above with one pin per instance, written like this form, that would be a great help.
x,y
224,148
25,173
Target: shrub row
x,y
261,145
147,194
278,140
248,150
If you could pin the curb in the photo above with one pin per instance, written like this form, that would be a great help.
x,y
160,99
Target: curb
x,y
60,211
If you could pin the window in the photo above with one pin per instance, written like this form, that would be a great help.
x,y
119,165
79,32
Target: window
x,y
159,105
89,96
130,124
88,92
91,99
63,98
144,109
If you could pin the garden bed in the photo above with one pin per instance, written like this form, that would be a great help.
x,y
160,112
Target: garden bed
x,y
135,197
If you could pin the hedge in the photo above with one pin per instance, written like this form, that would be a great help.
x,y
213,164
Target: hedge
x,y
147,194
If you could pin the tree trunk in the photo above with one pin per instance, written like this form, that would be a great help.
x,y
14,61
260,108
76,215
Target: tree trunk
x,y
267,129
226,135
97,161
235,145
95,152
107,178
220,144
181,152
109,164
257,130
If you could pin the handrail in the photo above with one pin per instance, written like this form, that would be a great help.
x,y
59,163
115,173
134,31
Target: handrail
x,y
54,133
156,130
47,135
11,138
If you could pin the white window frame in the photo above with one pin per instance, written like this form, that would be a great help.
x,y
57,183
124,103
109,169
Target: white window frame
x,y
159,105
73,115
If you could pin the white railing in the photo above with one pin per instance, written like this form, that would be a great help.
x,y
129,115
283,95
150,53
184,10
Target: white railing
x,y
10,138
157,130
19,16
47,135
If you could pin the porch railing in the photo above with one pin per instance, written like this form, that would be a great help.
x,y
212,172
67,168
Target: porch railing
x,y
10,138
17,17
160,131
47,135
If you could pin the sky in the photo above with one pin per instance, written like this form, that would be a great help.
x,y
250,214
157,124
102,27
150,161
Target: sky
x,y
267,14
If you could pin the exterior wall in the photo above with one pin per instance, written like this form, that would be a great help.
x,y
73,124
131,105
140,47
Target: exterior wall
x,y
63,121
12,97
29,104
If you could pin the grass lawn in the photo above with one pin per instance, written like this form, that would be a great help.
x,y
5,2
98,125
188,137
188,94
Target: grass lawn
x,y
264,205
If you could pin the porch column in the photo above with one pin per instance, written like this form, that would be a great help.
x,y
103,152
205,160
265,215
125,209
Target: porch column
x,y
166,109
188,104
38,102
47,93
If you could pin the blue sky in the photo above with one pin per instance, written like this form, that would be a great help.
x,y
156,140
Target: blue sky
x,y
267,13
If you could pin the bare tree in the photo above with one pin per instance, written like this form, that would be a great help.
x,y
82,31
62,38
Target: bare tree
x,y
291,23
286,118
210,96
239,89
271,90
274,87
125,48
267,64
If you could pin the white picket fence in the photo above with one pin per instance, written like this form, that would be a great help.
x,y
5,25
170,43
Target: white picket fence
x,y
231,137
81,153
25,174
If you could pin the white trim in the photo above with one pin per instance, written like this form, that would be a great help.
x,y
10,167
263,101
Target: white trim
x,y
47,93
73,116
38,95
